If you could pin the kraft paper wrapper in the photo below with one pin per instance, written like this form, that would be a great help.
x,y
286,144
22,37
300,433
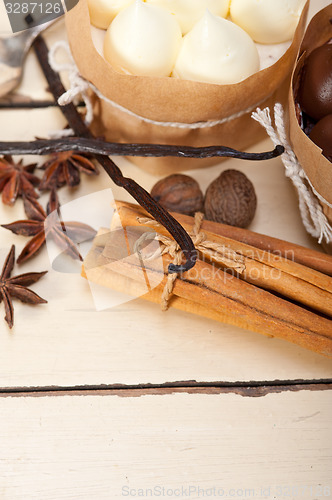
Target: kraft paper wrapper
x,y
316,166
175,100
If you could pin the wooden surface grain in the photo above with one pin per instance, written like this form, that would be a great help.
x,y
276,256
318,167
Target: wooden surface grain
x,y
96,400
134,342
87,447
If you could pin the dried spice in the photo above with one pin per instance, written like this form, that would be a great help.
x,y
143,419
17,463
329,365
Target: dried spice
x,y
231,199
256,300
16,180
64,168
97,146
178,193
16,287
41,225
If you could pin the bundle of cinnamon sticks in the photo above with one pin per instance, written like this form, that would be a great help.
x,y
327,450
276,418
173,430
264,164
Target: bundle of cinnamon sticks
x,y
249,280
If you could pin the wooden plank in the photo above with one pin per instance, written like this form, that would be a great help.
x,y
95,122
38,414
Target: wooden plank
x,y
104,447
69,343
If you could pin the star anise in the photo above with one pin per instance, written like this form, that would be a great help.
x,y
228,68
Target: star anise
x,y
65,168
17,180
16,287
49,224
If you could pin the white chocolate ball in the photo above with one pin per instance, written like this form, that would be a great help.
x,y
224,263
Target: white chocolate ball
x,y
102,12
267,21
188,12
143,40
216,51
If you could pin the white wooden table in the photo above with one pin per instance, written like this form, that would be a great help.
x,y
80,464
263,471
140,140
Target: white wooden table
x,y
131,402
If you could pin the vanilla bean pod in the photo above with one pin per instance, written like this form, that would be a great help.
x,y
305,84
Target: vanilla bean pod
x,y
138,193
97,146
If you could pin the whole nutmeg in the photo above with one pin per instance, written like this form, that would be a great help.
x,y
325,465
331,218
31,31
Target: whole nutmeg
x,y
178,193
231,199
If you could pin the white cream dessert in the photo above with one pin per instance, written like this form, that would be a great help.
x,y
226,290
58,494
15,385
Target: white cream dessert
x,y
267,21
102,12
216,51
143,40
188,12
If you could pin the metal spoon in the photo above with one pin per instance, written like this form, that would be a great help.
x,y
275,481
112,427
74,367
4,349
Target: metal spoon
x,y
13,49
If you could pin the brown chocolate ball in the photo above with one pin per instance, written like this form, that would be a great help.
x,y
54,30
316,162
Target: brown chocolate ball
x,y
315,91
321,135
231,199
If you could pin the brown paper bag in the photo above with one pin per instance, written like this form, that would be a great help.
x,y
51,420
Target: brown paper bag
x,y
175,100
316,166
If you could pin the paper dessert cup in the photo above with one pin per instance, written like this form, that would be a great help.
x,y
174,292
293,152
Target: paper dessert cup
x,y
177,101
316,166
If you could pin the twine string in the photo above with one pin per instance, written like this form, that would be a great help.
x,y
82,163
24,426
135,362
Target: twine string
x,y
79,87
313,217
214,251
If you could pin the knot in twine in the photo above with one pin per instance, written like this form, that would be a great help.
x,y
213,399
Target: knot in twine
x,y
313,217
218,253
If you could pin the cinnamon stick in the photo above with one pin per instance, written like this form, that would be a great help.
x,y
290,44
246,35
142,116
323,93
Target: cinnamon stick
x,y
306,256
297,253
98,270
272,272
224,294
